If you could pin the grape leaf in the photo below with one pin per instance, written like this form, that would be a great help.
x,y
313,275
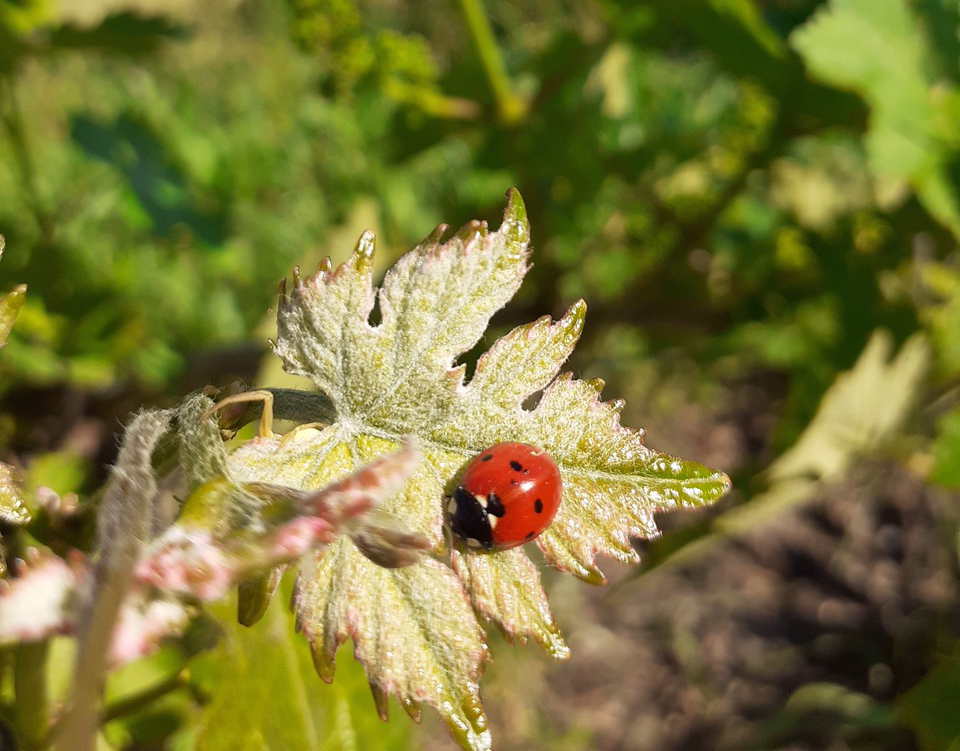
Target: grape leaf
x,y
415,629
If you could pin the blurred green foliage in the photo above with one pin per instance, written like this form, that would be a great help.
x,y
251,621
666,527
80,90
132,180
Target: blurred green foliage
x,y
736,186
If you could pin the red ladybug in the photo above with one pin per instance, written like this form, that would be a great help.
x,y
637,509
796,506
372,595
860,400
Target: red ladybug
x,y
507,496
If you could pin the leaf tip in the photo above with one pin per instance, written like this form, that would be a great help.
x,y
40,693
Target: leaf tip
x,y
724,479
557,648
436,236
322,660
572,322
362,259
515,224
381,700
472,231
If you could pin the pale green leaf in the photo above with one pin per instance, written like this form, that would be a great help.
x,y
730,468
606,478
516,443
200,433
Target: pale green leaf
x,y
265,695
863,408
13,508
399,378
505,588
10,305
862,411
412,629
876,48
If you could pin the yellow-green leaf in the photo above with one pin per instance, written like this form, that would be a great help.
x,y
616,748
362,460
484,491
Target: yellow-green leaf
x,y
400,378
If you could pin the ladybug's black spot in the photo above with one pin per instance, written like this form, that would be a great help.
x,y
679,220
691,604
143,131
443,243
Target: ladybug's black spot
x,y
538,506
495,505
517,466
530,535
486,457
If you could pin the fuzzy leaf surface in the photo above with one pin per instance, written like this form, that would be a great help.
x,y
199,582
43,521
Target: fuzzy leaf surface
x,y
400,377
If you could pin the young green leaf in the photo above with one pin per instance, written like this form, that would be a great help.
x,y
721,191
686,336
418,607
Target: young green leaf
x,y
13,508
505,588
415,629
202,557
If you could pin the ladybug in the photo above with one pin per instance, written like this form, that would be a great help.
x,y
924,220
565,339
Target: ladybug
x,y
507,496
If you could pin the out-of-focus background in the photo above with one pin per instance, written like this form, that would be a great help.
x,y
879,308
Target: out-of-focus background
x,y
760,201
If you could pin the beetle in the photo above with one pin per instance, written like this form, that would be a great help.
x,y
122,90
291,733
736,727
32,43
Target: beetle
x,y
508,495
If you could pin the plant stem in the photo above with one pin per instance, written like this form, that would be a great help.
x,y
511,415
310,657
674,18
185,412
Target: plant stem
x,y
123,524
142,699
32,708
510,108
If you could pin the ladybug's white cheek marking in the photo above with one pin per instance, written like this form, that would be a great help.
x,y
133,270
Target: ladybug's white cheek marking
x,y
482,500
493,521
452,506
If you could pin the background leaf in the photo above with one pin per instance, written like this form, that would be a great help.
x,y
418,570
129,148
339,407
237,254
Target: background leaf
x,y
264,694
876,49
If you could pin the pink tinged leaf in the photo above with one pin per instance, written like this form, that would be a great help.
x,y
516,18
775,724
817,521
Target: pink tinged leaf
x,y
352,505
43,599
489,409
295,538
189,563
195,562
435,304
350,498
141,626
505,588
413,631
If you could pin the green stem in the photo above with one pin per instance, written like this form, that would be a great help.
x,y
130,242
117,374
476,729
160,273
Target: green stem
x,y
142,699
510,107
123,526
32,707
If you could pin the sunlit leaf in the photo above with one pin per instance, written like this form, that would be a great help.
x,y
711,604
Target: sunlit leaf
x,y
10,305
414,629
13,508
264,694
861,412
875,47
505,588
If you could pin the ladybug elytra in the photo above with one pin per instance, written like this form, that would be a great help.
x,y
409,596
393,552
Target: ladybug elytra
x,y
507,496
